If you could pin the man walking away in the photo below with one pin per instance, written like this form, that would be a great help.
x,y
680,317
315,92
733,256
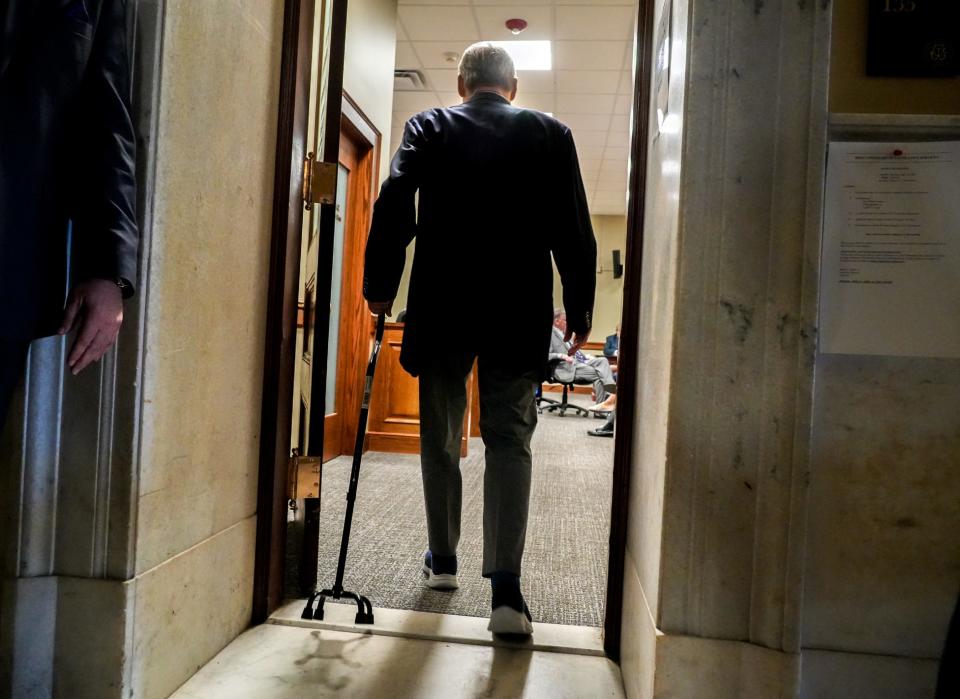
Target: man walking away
x,y
500,190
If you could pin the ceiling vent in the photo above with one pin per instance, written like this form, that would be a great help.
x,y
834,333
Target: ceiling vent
x,y
406,79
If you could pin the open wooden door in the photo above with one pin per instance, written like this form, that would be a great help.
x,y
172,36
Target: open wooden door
x,y
351,324
298,304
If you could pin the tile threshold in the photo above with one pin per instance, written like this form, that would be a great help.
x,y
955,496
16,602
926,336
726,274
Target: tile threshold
x,y
430,626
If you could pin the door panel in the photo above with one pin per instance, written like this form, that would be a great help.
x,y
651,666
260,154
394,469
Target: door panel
x,y
317,240
319,233
358,158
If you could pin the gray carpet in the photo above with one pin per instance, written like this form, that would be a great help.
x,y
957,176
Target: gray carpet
x,y
565,561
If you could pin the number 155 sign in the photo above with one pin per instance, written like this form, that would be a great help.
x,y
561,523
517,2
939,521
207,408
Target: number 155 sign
x,y
913,38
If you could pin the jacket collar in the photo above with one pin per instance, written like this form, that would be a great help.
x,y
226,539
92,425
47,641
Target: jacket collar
x,y
487,96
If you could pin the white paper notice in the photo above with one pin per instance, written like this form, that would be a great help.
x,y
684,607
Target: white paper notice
x,y
890,273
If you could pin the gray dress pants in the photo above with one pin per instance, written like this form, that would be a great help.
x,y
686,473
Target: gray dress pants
x,y
508,417
597,371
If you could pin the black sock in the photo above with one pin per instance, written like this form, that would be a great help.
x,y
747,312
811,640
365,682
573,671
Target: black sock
x,y
443,565
506,590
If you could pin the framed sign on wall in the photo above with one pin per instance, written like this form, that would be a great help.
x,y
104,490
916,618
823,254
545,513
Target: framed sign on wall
x,y
913,38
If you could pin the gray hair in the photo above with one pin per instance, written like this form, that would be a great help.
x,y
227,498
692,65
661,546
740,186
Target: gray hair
x,y
557,312
486,65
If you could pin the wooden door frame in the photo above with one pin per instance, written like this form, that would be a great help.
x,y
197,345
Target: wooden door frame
x,y
279,355
629,355
360,131
276,416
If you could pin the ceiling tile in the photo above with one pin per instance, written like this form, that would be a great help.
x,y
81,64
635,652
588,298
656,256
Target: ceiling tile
x,y
492,19
626,83
541,101
623,104
434,2
589,138
406,58
584,22
616,153
535,81
442,80
507,2
618,140
588,55
585,104
610,195
425,23
450,99
588,152
611,184
631,3
613,168
431,53
401,32
413,102
588,81
585,122
590,172
620,122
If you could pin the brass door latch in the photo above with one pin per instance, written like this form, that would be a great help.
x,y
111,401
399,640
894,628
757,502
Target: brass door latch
x,y
303,476
319,182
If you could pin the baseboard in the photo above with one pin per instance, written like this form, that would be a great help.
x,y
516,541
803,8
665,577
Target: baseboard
x,y
827,674
708,668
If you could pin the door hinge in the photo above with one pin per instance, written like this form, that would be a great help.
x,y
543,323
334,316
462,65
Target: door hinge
x,y
303,476
319,182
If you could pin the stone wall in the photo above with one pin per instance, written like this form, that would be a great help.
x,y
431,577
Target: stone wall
x,y
203,359
131,508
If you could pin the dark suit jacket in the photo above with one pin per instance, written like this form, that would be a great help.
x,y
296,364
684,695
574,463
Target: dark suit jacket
x,y
66,156
500,190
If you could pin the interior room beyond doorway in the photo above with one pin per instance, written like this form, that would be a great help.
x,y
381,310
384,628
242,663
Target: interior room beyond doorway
x,y
589,87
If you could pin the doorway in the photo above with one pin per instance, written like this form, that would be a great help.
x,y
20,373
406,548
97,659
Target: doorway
x,y
639,102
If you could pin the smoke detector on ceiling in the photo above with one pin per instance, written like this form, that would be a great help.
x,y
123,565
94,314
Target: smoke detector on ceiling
x,y
516,25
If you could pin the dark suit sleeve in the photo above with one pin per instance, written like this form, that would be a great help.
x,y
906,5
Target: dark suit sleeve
x,y
104,222
394,222
574,245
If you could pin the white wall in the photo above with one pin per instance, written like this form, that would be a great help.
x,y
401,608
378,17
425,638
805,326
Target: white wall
x,y
611,234
369,57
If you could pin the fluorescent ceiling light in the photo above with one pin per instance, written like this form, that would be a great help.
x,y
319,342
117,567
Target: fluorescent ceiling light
x,y
528,55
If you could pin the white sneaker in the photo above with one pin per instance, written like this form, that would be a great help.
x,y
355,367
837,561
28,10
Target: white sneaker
x,y
438,581
507,620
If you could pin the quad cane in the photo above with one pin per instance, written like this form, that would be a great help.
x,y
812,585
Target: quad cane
x,y
364,608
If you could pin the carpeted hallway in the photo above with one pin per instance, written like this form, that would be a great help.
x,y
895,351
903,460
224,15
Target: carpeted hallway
x,y
565,563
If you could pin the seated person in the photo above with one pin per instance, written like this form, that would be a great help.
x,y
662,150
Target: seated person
x,y
611,348
579,368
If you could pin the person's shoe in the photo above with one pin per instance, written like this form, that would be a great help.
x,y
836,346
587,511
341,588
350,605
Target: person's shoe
x,y
441,571
510,613
601,432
